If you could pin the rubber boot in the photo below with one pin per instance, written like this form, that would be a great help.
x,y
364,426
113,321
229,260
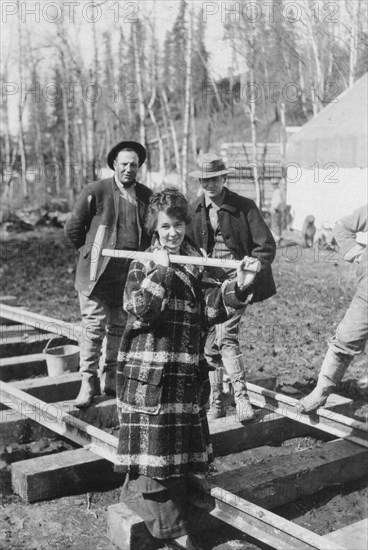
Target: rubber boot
x,y
332,372
217,407
89,388
109,382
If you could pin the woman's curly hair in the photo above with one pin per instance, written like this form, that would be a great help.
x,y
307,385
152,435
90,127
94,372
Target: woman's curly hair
x,y
170,201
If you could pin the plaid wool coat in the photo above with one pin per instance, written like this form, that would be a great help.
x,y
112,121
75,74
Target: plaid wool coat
x,y
162,376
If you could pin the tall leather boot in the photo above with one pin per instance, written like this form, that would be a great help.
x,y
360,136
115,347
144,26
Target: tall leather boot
x,y
236,370
217,407
332,372
89,388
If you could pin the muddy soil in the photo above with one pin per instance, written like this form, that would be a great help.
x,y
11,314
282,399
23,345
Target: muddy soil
x,y
284,337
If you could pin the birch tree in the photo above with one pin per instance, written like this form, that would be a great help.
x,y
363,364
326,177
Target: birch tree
x,y
21,144
187,102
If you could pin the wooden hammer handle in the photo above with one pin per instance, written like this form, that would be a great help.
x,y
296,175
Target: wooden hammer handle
x,y
96,250
176,259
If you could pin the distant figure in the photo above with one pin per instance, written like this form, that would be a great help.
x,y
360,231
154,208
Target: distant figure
x,y
277,211
308,231
324,236
352,332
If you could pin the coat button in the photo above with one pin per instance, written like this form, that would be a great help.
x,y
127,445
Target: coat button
x,y
195,409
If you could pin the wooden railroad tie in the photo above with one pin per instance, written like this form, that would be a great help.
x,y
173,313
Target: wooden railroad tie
x,y
253,520
266,484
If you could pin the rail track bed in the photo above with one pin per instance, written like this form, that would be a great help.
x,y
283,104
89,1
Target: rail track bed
x,y
51,450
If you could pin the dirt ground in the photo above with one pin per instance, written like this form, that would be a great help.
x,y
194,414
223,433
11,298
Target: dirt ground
x,y
284,337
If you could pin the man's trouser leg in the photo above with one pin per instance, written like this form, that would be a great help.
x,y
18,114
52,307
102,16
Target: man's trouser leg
x,y
93,331
232,359
349,340
115,323
213,357
222,348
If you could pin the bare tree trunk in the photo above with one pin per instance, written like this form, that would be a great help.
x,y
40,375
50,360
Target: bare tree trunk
x,y
95,79
319,85
160,142
283,135
193,128
251,104
142,108
173,132
66,129
353,41
188,87
21,146
7,139
303,97
36,113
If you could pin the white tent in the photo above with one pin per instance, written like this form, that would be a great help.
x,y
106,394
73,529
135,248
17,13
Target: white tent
x,y
327,160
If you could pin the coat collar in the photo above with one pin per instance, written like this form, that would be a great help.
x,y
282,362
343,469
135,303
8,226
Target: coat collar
x,y
228,204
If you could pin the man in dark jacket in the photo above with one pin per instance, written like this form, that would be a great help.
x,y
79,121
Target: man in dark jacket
x,y
108,214
228,226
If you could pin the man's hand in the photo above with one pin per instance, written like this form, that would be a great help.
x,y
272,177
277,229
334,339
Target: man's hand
x,y
160,256
245,278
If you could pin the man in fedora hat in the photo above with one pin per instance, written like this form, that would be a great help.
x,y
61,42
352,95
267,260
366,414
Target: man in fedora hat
x,y
117,205
229,226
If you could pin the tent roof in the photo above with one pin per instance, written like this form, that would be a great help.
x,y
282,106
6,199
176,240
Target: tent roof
x,y
337,134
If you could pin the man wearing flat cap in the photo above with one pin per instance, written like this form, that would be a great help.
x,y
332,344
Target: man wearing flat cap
x,y
228,226
109,213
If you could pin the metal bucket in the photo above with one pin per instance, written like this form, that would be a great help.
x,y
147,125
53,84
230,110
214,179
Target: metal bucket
x,y
62,359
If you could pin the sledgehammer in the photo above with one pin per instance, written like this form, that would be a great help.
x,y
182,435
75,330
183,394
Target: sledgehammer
x,y
147,256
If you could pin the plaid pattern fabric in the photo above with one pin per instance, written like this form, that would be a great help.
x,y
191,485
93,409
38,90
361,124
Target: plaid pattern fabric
x,y
162,378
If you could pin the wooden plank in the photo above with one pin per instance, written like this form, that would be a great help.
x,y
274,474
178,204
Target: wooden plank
x,y
73,331
259,523
127,530
4,299
18,330
31,343
59,421
276,481
16,426
51,390
326,420
352,536
22,366
61,474
230,436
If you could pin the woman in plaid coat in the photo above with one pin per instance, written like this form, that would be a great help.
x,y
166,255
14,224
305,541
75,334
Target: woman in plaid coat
x,y
162,378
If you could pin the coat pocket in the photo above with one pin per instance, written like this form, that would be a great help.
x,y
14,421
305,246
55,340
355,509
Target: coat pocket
x,y
141,390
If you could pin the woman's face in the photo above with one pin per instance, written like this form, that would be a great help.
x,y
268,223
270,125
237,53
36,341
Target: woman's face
x,y
171,232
